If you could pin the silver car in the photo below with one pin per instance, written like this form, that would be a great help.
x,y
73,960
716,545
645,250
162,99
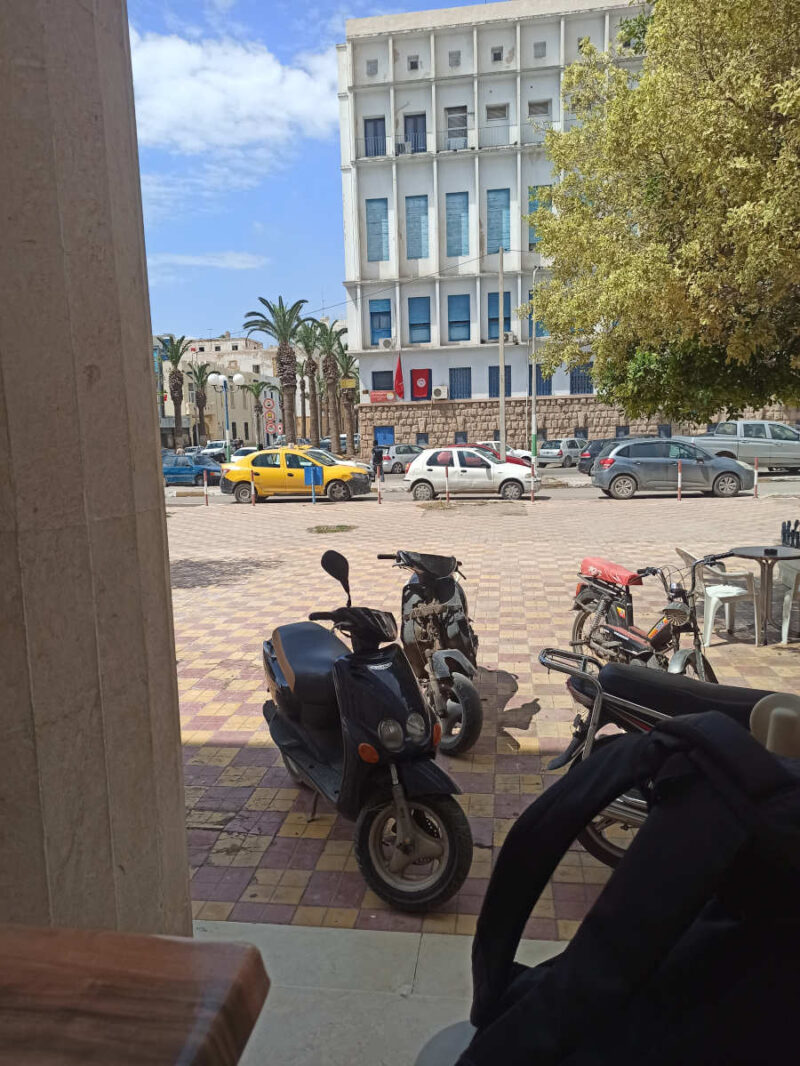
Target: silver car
x,y
564,452
396,457
625,467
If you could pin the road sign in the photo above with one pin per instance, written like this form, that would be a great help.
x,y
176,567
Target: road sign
x,y
347,383
271,427
268,404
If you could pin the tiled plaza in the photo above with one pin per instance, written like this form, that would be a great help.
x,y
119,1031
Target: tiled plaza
x,y
239,571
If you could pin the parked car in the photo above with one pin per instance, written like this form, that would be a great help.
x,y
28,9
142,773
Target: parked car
x,y
468,470
492,450
193,449
215,449
563,452
625,467
776,446
494,446
590,453
396,457
189,469
326,458
281,472
240,453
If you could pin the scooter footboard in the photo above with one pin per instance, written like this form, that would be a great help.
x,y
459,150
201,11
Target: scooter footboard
x,y
449,661
424,778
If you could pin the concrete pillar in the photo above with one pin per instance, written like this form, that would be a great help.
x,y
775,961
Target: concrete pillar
x,y
91,812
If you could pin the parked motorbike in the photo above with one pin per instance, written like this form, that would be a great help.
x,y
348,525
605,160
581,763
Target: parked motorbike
x,y
634,700
604,624
441,645
353,726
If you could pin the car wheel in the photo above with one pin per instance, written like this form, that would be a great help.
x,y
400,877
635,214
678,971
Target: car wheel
x,y
423,490
198,479
727,485
567,462
338,491
242,492
397,468
511,490
622,487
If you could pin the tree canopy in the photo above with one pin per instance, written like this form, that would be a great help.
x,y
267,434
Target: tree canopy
x,y
674,235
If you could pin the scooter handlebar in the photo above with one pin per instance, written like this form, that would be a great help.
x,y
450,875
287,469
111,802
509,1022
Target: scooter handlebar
x,y
320,616
390,555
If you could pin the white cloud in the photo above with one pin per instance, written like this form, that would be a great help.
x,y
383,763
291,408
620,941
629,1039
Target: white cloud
x,y
215,260
230,97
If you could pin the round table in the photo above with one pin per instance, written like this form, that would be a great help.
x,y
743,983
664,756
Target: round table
x,y
766,557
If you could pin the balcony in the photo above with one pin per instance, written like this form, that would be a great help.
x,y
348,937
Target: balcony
x,y
497,136
455,140
534,130
411,144
372,147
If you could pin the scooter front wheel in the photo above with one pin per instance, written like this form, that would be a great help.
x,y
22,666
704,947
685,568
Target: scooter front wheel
x,y
425,873
463,719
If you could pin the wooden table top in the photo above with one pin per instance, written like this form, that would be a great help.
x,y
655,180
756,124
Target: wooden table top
x,y
69,996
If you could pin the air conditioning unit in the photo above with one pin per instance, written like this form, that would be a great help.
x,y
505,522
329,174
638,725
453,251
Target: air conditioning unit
x,y
440,392
388,342
510,338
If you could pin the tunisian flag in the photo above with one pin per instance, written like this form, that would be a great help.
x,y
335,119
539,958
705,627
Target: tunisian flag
x,y
420,384
399,387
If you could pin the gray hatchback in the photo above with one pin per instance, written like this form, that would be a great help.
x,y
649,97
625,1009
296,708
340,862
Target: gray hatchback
x,y
625,467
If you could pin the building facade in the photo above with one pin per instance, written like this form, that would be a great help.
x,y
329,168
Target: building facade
x,y
442,117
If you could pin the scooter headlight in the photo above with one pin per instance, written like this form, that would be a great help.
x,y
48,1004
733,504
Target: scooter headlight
x,y
416,727
677,613
390,733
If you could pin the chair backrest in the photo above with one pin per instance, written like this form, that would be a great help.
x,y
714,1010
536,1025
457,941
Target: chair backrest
x,y
688,560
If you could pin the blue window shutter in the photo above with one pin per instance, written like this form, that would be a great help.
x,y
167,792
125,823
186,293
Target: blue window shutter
x,y
498,220
417,227
457,220
580,380
380,320
458,317
419,319
377,230
461,382
544,386
494,381
493,314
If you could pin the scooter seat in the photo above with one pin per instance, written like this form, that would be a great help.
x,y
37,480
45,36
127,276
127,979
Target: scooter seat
x,y
433,565
673,694
306,653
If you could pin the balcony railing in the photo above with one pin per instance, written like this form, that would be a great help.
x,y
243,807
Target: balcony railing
x,y
534,129
496,136
414,142
455,140
367,147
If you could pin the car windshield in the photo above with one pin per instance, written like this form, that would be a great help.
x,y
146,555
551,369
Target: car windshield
x,y
322,457
550,445
485,454
203,460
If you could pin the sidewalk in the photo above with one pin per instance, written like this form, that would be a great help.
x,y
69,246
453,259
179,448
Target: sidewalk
x,y
343,997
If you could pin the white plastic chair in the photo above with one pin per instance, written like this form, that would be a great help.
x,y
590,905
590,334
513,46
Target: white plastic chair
x,y
790,578
723,594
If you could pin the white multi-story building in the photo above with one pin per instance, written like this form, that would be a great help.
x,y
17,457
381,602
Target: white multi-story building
x,y
443,116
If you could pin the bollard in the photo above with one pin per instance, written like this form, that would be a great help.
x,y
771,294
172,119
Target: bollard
x,y
755,477
205,485
252,486
446,485
379,479
680,477
533,476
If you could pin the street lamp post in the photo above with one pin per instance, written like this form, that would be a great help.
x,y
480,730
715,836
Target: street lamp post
x,y
219,383
534,427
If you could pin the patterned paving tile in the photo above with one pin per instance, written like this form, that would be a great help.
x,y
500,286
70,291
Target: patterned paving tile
x,y
254,855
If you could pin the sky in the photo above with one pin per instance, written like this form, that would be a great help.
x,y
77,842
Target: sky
x,y
237,117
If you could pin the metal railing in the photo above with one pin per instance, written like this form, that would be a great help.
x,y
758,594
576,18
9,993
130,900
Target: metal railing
x,y
416,142
534,130
496,136
367,147
455,140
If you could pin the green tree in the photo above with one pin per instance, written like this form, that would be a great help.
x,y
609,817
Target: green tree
x,y
172,351
199,373
307,341
348,368
675,233
256,389
281,322
329,344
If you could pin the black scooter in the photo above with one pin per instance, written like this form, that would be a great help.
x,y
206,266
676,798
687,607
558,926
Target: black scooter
x,y
441,645
353,726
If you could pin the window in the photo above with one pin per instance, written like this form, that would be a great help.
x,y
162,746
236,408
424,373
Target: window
x,y
441,459
383,380
539,49
582,433
454,58
372,68
457,223
377,230
416,133
727,429
494,314
375,136
544,385
384,436
494,381
217,348
246,430
234,434
380,320
297,462
458,318
665,429
755,429
621,431
649,449
498,220
456,120
539,108
580,380
780,432
419,319
533,205
235,347
497,112
417,227
256,368
413,62
201,348
460,437
461,382
497,54
422,438
181,460
684,451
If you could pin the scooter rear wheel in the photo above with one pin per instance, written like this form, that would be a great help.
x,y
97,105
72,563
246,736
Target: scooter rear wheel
x,y
423,883
461,729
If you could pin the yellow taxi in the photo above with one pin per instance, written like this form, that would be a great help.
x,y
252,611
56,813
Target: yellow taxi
x,y
282,472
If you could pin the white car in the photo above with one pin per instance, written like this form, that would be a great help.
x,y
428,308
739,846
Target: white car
x,y
242,453
494,445
563,452
467,470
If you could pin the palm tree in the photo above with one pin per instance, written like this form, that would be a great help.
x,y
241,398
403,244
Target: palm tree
x,y
200,373
348,368
329,343
172,351
281,322
256,389
307,340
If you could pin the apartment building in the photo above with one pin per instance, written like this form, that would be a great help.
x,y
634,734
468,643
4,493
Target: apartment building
x,y
442,117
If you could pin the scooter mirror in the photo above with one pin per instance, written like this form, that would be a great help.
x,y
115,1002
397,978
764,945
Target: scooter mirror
x,y
337,566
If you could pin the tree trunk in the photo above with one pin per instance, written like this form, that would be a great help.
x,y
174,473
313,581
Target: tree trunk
x,y
258,411
200,397
325,415
176,395
313,403
303,425
347,398
336,429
